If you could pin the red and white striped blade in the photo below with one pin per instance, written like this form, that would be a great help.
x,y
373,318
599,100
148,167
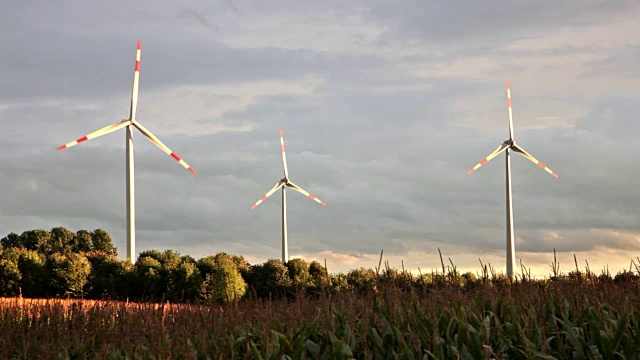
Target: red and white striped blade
x,y
105,130
510,111
163,147
269,193
136,83
544,167
284,156
305,193
497,152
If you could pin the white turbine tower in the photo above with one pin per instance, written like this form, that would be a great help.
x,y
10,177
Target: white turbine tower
x,y
508,145
284,183
129,124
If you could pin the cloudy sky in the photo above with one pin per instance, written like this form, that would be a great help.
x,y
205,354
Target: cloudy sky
x,y
384,106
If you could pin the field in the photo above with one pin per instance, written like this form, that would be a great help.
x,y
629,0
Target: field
x,y
583,318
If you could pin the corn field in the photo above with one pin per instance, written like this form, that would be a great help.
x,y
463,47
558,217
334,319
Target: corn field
x,y
569,319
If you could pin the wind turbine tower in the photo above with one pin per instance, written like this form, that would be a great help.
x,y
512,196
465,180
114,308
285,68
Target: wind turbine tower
x,y
283,184
506,147
129,124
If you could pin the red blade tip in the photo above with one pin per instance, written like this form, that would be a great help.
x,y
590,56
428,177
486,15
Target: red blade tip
x,y
61,147
139,44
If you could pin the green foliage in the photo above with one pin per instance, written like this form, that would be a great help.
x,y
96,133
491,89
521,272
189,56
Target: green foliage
x,y
223,282
101,241
361,279
184,282
270,278
12,240
82,242
207,265
109,275
37,240
61,240
298,270
147,272
69,274
318,273
338,283
154,254
34,275
10,275
243,265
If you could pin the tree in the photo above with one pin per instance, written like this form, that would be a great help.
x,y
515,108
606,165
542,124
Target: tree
x,y
172,280
154,254
101,241
147,273
34,277
207,265
339,283
184,282
61,240
108,276
82,241
272,277
318,274
9,273
243,265
224,282
70,273
298,270
11,241
37,240
363,280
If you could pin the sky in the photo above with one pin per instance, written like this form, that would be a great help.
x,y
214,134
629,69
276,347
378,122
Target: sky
x,y
384,107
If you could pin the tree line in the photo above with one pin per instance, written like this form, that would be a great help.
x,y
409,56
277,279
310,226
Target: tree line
x,y
84,264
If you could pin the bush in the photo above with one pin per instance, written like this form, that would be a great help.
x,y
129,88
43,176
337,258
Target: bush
x,y
223,283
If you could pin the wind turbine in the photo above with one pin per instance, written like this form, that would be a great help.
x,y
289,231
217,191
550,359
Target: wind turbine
x,y
129,124
283,184
506,146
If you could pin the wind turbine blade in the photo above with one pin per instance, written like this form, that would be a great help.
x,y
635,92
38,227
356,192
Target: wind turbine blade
x,y
163,147
544,167
284,156
510,111
105,130
497,152
305,193
269,193
134,91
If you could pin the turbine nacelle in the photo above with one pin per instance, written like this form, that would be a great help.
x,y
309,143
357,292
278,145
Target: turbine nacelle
x,y
285,181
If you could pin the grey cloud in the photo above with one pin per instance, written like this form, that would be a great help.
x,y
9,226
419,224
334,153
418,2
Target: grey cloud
x,y
443,21
618,61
